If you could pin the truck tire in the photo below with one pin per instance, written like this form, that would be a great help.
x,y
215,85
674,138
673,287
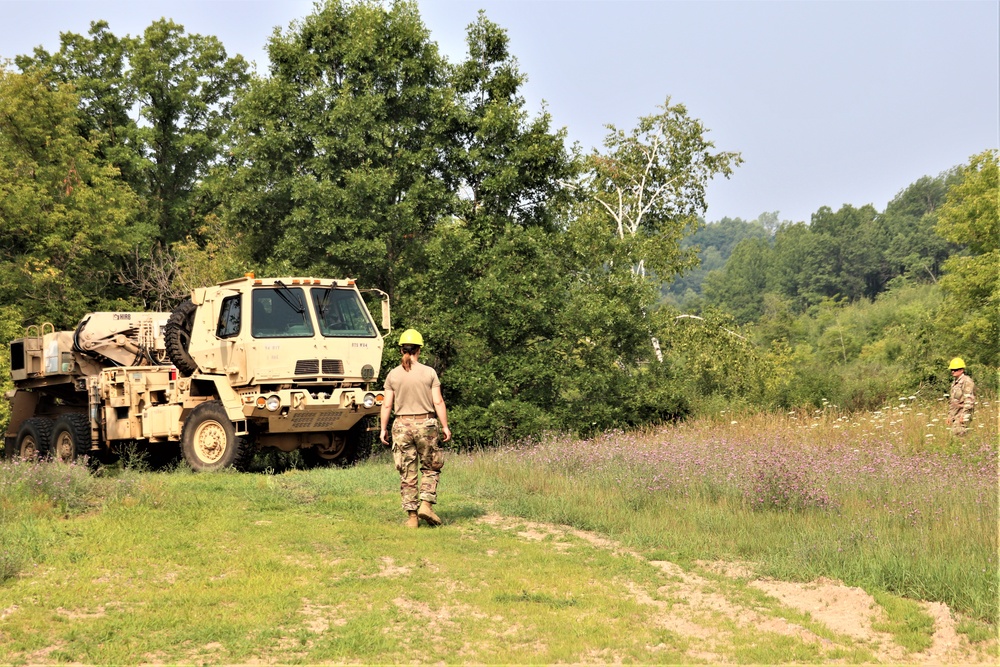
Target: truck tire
x,y
33,438
177,337
360,442
70,437
209,440
357,447
315,457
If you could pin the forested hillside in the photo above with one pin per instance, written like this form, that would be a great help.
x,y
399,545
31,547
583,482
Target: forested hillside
x,y
555,289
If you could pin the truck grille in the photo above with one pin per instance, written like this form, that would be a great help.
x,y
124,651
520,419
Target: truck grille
x,y
307,367
317,421
312,366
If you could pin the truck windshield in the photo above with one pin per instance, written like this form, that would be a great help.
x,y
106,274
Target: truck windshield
x,y
341,313
280,313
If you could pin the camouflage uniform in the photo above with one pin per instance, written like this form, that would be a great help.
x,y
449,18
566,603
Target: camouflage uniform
x,y
416,436
961,402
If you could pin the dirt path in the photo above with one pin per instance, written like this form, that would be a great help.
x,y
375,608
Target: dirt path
x,y
836,617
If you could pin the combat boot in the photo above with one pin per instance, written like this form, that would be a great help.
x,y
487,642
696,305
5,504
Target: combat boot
x,y
412,521
426,512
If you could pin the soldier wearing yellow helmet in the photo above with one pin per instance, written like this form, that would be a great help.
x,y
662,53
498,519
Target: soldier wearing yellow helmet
x,y
414,390
961,397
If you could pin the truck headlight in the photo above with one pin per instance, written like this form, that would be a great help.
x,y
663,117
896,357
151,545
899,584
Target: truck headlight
x,y
273,403
369,400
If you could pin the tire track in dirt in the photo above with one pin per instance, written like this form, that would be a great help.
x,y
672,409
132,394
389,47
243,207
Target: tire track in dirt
x,y
838,617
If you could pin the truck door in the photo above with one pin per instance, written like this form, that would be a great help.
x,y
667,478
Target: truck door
x,y
232,353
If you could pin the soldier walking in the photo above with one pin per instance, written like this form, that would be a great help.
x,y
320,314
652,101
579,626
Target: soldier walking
x,y
961,398
414,390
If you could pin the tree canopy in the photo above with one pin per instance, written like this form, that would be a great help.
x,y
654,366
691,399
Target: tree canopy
x,y
971,217
181,85
66,218
135,168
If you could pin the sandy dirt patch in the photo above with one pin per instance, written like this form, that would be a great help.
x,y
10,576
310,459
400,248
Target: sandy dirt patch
x,y
838,616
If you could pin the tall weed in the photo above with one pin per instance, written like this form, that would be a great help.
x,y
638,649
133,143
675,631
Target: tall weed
x,y
33,493
887,500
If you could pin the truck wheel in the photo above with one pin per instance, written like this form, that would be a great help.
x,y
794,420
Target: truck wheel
x,y
177,337
33,438
360,441
320,456
209,439
357,446
70,437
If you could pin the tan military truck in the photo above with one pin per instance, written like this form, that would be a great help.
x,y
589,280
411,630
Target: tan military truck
x,y
249,363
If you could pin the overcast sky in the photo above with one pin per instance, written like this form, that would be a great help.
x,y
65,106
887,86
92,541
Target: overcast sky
x,y
830,103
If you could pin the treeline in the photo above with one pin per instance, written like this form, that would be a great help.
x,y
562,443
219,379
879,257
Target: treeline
x,y
862,304
850,254
135,168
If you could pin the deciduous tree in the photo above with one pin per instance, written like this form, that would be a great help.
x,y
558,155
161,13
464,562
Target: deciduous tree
x,y
512,168
650,182
971,217
181,87
67,220
340,158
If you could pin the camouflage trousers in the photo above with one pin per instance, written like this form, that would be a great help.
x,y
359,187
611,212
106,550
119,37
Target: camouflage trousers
x,y
959,417
415,444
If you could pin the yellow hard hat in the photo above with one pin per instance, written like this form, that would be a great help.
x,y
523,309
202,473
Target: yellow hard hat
x,y
411,337
956,363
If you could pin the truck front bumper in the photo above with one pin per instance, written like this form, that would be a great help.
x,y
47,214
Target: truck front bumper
x,y
299,410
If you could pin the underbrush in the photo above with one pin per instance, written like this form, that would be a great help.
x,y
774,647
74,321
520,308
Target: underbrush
x,y
886,500
34,494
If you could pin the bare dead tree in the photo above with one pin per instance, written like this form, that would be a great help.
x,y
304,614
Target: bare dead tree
x,y
152,276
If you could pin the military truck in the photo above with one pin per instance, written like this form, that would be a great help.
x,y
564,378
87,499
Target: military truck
x,y
249,363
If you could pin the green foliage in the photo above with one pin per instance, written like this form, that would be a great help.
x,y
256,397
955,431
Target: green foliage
x,y
715,356
182,87
68,220
11,321
650,182
740,285
851,254
510,167
971,217
860,355
715,243
487,313
913,249
535,275
338,160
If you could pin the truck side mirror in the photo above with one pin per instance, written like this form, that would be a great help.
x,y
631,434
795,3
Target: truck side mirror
x,y
386,322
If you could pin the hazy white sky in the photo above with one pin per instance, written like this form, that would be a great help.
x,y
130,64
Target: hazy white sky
x,y
829,102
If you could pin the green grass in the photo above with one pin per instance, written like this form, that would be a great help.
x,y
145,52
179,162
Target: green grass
x,y
912,628
306,568
316,567
909,561
926,540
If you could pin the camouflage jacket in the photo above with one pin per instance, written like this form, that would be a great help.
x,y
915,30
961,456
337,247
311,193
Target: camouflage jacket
x,y
963,394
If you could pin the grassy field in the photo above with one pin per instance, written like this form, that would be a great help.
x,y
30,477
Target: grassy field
x,y
667,546
888,500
